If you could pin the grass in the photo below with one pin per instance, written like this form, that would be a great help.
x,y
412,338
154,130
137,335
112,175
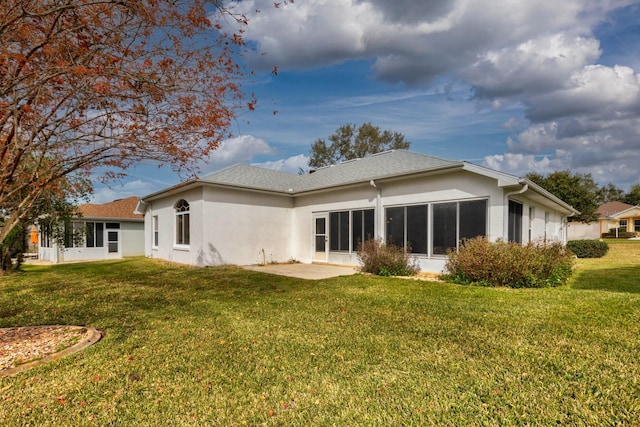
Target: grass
x,y
226,346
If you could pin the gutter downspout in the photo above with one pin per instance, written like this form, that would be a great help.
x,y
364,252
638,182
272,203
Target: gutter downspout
x,y
505,232
141,205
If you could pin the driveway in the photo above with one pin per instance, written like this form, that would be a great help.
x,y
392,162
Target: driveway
x,y
304,271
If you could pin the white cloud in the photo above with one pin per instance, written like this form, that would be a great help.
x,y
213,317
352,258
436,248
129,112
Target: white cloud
x,y
537,65
414,42
240,149
606,93
138,188
521,164
291,164
608,150
306,34
541,55
592,124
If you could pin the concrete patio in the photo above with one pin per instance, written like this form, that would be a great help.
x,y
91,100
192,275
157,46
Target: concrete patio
x,y
305,271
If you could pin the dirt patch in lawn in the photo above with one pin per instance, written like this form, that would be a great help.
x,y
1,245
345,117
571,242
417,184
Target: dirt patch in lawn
x,y
22,348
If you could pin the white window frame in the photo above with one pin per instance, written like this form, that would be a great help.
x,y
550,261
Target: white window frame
x,y
156,232
182,231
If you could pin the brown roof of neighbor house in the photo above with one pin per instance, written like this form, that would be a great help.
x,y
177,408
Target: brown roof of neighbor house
x,y
611,208
118,209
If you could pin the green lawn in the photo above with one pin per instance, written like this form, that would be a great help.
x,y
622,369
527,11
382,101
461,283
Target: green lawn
x,y
225,346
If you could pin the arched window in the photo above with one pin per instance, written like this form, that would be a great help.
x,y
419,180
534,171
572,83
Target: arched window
x,y
182,222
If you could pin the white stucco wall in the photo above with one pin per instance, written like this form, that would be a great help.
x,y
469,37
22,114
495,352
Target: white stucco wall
x,y
545,224
243,227
132,238
48,254
232,226
83,254
582,230
164,210
227,227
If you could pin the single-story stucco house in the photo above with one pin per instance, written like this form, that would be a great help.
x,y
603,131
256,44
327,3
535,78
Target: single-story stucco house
x,y
614,218
102,231
250,215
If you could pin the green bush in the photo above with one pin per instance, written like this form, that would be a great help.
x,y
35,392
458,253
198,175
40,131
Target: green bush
x,y
386,260
588,248
534,265
619,235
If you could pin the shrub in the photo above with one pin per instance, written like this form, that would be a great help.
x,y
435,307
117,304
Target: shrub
x,y
619,235
386,260
588,248
534,265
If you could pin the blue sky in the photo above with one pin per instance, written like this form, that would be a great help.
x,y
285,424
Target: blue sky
x,y
519,86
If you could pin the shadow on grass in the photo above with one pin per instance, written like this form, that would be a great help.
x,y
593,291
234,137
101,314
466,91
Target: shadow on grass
x,y
621,279
127,291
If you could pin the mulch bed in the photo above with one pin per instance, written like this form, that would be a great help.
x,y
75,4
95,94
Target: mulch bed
x,y
22,345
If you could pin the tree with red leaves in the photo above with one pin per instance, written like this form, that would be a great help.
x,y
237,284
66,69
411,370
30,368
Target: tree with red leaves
x,y
98,85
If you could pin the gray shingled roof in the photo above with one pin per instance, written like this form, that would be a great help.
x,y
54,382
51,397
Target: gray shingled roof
x,y
253,177
382,165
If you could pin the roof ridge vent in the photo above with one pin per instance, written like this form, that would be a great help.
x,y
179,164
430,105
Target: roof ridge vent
x,y
350,160
383,152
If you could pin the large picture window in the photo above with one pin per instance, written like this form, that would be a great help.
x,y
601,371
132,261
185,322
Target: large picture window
x,y
452,222
182,223
515,222
407,227
623,225
339,231
83,234
444,227
472,219
362,227
395,226
95,234
45,235
347,229
74,234
417,229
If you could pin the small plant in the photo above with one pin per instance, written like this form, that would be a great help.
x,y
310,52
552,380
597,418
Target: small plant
x,y
386,260
588,248
533,265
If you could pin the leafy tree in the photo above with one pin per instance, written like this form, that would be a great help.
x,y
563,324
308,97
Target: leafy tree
x,y
55,207
578,190
610,193
633,196
349,142
97,85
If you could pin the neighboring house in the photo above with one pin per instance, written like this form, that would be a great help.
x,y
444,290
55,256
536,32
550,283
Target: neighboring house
x,y
614,218
618,217
250,215
106,231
